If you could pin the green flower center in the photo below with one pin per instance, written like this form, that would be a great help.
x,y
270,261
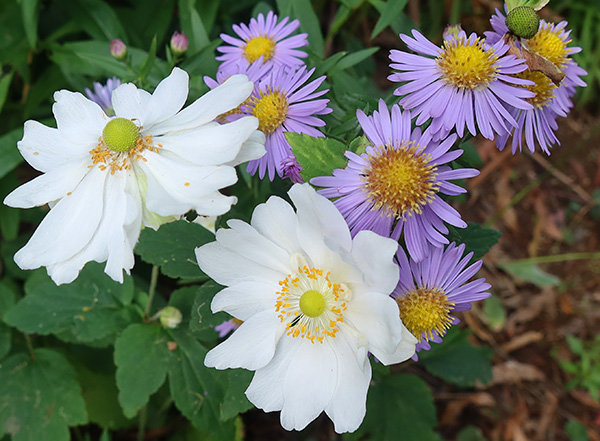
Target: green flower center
x,y
120,135
312,303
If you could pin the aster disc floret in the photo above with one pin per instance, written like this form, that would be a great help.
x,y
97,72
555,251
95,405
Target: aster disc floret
x,y
465,83
105,178
313,301
282,102
394,186
102,94
430,291
550,101
266,38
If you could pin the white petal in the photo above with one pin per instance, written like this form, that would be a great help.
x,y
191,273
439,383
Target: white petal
x,y
253,148
221,99
245,299
374,255
68,227
251,346
48,187
277,221
45,148
78,119
211,144
168,99
130,102
404,350
348,406
309,384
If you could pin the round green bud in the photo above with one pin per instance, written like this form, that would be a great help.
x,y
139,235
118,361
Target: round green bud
x,y
523,21
170,317
312,303
120,134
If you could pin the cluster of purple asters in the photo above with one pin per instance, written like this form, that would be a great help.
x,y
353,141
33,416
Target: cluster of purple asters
x,y
283,100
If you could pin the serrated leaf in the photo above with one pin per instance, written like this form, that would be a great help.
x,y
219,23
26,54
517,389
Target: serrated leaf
x,y
457,361
203,320
389,13
235,401
399,404
316,156
172,248
39,397
195,388
530,272
91,308
142,359
475,237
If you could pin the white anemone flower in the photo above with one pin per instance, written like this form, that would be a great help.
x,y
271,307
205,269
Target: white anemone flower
x,y
313,301
106,177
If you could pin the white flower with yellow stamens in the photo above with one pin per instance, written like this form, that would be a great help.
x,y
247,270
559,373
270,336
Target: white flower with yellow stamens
x,y
313,301
105,177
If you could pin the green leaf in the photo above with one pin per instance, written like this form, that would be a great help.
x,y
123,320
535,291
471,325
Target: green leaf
x,y
195,388
576,431
31,12
494,313
91,308
535,4
475,237
40,397
9,154
575,344
316,156
235,401
193,26
353,59
309,23
530,272
172,248
390,12
5,81
142,359
399,404
457,361
203,320
470,433
99,15
149,62
9,217
8,295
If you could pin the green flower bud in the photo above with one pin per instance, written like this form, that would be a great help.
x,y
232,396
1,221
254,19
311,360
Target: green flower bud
x,y
523,21
170,317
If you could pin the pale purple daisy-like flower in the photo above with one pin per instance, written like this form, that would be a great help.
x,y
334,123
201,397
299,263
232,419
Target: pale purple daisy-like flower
x,y
463,83
228,326
102,94
393,187
282,102
429,291
550,101
291,170
255,72
267,38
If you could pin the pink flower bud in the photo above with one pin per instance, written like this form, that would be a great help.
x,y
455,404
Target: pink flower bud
x,y
118,49
179,43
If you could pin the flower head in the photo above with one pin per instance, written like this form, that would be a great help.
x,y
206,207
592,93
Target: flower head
x,y
266,38
463,83
179,43
282,102
102,94
118,49
106,177
313,302
429,291
394,185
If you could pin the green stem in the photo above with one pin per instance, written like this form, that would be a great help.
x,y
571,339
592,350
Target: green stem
x,y
151,290
558,258
29,344
142,424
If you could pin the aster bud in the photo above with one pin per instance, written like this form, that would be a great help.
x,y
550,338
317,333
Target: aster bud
x,y
170,317
179,43
118,49
452,31
523,21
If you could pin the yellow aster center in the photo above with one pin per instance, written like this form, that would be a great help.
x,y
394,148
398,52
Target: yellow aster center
x,y
400,180
270,109
543,88
311,305
121,143
467,66
259,46
425,311
549,45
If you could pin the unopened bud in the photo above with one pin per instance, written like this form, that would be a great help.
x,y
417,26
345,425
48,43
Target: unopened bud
x,y
118,49
452,31
179,43
523,21
170,317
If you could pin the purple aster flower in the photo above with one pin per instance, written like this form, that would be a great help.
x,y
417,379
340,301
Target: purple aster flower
x,y
102,94
282,103
550,101
429,291
291,170
460,84
228,326
267,38
394,185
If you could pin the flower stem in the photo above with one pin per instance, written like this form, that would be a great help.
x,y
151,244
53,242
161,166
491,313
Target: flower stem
x,y
558,258
151,290
29,344
142,424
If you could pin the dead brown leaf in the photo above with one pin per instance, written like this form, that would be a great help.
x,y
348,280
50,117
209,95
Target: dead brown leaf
x,y
513,371
522,340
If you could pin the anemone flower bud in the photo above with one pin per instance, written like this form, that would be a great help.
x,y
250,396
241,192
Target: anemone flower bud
x,y
179,43
118,49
